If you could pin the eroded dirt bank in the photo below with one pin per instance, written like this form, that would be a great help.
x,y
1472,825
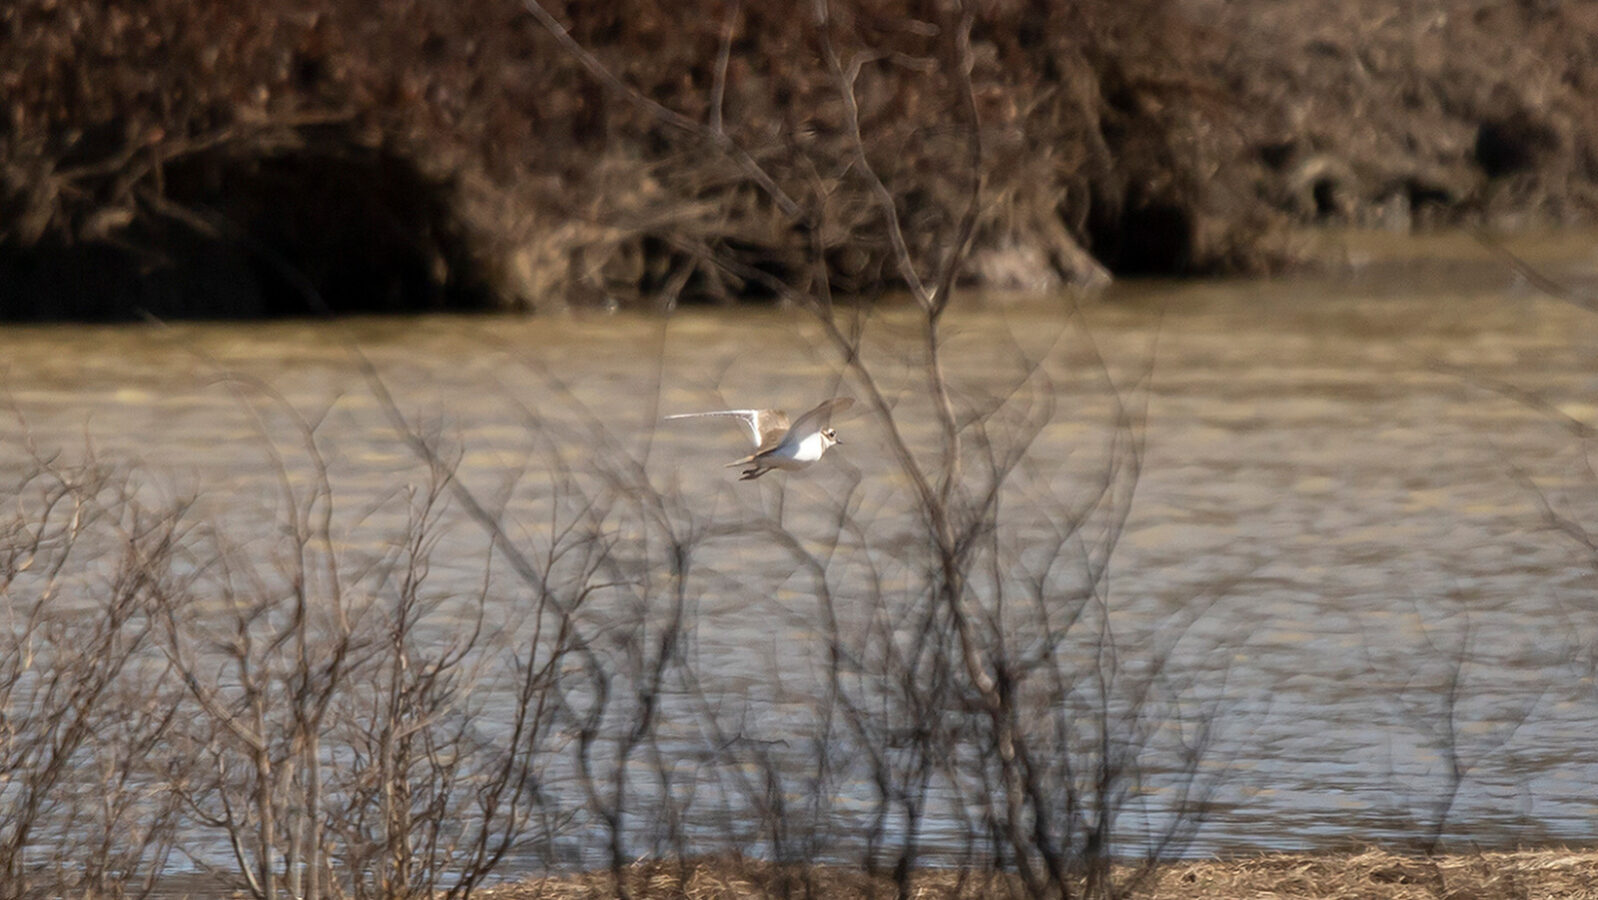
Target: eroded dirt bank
x,y
262,158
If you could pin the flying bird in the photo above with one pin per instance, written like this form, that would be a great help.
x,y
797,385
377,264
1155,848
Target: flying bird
x,y
777,444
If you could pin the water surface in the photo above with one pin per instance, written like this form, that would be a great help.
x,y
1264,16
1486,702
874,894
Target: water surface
x,y
1350,475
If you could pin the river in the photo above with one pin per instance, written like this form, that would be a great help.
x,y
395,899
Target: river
x,y
1345,494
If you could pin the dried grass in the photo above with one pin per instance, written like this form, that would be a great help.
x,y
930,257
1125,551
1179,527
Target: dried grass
x,y
1380,874
1367,875
734,879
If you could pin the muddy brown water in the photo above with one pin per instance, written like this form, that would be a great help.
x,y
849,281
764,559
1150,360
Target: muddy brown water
x,y
1349,471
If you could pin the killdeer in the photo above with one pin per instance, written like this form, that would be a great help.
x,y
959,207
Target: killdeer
x,y
779,445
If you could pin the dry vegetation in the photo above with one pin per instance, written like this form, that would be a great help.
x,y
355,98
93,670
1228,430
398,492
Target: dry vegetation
x,y
1368,875
267,158
456,155
1378,875
1413,114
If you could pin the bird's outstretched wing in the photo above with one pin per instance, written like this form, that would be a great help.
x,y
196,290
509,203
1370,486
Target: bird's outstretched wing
x,y
820,417
766,427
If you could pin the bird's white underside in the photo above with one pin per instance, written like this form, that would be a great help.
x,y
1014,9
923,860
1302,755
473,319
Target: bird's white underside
x,y
776,445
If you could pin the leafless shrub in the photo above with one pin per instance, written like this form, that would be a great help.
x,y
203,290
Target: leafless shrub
x,y
338,703
991,677
82,566
1572,522
1464,724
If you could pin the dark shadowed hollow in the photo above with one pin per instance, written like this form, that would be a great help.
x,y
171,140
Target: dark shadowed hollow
x,y
346,229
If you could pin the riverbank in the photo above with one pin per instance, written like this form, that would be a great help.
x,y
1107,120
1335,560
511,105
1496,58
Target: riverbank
x,y
1366,874
302,157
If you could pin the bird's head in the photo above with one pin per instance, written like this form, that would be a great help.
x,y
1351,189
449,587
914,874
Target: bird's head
x,y
829,437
